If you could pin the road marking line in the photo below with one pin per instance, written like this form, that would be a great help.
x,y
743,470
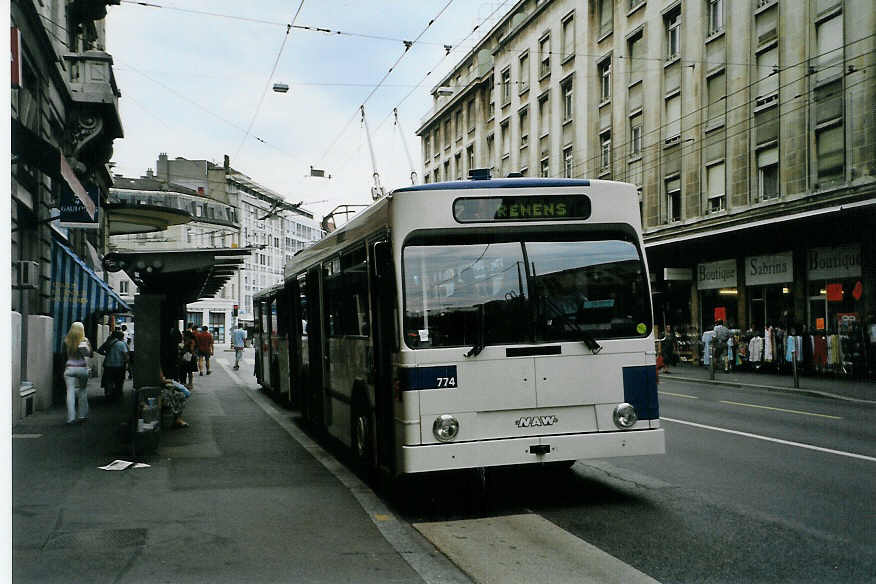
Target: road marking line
x,y
678,394
776,440
733,403
27,435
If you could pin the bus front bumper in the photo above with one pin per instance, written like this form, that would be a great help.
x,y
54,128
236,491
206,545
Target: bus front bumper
x,y
535,449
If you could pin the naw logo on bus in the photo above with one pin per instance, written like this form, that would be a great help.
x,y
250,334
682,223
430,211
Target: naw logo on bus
x,y
533,421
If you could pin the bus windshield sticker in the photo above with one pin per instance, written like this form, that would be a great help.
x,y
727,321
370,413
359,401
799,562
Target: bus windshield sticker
x,y
521,208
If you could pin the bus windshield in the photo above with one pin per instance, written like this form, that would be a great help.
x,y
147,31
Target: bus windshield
x,y
524,291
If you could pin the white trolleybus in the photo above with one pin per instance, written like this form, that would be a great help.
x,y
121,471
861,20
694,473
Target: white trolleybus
x,y
472,324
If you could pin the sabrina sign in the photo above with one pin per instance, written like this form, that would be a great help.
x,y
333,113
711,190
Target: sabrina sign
x,y
769,269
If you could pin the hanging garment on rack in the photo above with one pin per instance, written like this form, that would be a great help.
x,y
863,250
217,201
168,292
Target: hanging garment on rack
x,y
768,345
789,349
755,349
819,352
707,346
798,345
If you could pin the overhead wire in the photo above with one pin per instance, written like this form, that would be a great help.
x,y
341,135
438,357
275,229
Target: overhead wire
x,y
407,46
268,82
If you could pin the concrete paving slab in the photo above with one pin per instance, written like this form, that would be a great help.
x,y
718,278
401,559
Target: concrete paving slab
x,y
526,548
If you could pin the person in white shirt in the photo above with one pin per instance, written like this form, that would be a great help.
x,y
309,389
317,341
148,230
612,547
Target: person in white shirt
x,y
238,339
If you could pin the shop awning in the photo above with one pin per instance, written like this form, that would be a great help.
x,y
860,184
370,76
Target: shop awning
x,y
77,292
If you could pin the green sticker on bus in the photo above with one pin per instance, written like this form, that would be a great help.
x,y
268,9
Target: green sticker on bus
x,y
641,328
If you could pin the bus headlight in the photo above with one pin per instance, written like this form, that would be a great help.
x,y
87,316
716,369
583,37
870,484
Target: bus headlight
x,y
624,416
445,428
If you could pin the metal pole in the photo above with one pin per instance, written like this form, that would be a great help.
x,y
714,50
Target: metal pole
x,y
712,353
405,144
794,369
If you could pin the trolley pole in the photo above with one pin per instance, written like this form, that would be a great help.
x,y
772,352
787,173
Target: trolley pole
x,y
794,369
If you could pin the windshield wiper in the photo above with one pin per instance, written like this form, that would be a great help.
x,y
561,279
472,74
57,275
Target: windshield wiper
x,y
586,337
480,343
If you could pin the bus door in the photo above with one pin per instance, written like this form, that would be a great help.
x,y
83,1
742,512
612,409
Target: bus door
x,y
265,346
315,350
383,340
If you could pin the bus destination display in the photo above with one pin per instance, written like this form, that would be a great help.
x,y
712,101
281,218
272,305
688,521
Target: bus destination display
x,y
521,208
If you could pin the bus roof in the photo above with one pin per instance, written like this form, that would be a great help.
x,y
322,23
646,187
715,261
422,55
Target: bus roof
x,y
497,183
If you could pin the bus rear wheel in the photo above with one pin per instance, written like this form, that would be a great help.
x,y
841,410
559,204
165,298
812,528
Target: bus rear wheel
x,y
360,435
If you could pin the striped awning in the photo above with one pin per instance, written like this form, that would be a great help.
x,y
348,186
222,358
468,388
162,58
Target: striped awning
x,y
77,292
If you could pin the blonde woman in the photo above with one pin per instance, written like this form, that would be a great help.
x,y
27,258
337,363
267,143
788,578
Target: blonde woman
x,y
76,372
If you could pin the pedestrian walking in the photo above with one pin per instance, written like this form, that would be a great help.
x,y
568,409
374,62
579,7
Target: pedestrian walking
x,y
76,372
722,334
238,339
129,340
188,362
116,352
204,341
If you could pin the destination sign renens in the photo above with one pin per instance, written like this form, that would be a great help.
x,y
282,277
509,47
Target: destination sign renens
x,y
521,208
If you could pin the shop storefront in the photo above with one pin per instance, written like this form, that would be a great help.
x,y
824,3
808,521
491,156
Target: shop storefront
x,y
717,286
835,288
768,282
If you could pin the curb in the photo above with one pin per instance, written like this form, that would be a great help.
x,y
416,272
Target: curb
x,y
801,391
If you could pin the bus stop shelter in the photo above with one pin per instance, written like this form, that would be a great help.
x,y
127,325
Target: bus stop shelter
x,y
167,281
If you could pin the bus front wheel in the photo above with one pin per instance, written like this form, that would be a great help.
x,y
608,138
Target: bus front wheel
x,y
360,434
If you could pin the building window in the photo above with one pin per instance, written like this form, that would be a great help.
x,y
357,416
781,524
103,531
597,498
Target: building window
x,y
469,155
436,176
672,124
523,72
568,37
716,89
545,167
447,174
604,80
716,16
470,115
605,151
606,16
457,162
673,34
124,287
544,56
767,77
506,87
447,133
458,122
829,48
635,48
436,141
568,99
491,99
636,136
635,3
829,151
505,136
524,127
490,151
544,114
673,199
768,173
568,162
426,152
715,187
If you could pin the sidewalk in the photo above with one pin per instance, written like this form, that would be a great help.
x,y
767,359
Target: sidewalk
x,y
824,386
233,498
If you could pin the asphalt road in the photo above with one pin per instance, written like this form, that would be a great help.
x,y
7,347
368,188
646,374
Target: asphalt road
x,y
756,486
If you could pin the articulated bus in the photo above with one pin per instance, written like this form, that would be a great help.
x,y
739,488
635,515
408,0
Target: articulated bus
x,y
472,324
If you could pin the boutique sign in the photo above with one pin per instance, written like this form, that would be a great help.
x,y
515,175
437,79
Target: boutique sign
x,y
769,269
714,275
823,263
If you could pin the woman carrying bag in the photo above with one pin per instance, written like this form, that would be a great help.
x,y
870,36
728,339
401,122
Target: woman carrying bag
x,y
76,372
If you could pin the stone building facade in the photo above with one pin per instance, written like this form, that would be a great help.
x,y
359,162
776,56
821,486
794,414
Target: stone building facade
x,y
748,126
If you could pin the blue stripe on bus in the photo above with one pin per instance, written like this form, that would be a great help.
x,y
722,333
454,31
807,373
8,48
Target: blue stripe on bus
x,y
438,377
640,391
497,183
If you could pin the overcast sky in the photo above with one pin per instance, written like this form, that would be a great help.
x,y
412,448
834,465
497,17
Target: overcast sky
x,y
191,84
